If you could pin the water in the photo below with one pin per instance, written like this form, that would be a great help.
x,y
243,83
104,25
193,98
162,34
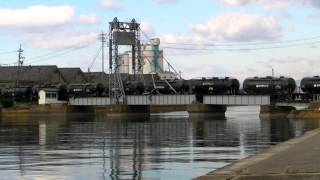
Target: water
x,y
166,146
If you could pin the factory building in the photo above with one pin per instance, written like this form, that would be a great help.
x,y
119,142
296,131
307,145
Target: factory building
x,y
152,57
11,76
73,75
40,76
97,77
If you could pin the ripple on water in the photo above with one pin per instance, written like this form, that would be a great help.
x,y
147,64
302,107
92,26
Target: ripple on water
x,y
165,146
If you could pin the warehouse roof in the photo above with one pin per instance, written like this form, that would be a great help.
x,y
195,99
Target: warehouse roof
x,y
73,75
97,77
31,74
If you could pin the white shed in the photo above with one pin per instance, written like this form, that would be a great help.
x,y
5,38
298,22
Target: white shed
x,y
49,96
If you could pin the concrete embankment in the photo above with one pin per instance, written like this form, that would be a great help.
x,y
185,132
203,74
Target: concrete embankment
x,y
25,109
22,109
296,159
313,111
271,110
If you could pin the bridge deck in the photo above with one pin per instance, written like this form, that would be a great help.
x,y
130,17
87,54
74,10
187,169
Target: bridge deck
x,y
239,100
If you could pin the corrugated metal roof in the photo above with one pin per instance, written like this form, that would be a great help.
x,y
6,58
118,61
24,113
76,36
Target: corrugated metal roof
x,y
73,75
31,74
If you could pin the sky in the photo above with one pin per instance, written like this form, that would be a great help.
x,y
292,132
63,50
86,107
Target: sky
x,y
200,38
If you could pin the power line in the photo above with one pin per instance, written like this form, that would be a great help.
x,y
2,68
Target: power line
x,y
50,54
307,40
95,58
216,44
8,52
57,55
241,49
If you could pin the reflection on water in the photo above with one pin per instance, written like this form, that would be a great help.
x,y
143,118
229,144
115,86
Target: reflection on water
x,y
170,146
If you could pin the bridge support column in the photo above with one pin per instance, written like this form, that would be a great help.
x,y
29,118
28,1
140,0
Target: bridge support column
x,y
166,109
273,110
80,109
311,112
206,110
124,110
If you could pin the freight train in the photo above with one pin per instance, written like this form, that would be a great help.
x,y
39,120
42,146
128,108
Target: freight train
x,y
269,85
277,87
311,85
204,86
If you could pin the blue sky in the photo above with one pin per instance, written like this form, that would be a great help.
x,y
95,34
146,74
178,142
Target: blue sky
x,y
282,34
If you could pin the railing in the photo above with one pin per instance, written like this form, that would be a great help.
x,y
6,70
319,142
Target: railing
x,y
136,100
237,100
242,100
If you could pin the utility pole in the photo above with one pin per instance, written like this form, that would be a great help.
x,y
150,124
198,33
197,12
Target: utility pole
x,y
103,42
20,64
272,72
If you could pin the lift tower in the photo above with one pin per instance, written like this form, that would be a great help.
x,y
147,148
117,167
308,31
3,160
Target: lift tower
x,y
123,34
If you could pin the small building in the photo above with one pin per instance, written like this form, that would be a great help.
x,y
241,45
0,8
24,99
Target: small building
x,y
49,96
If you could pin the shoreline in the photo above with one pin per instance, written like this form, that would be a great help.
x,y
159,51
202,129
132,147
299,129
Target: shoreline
x,y
263,166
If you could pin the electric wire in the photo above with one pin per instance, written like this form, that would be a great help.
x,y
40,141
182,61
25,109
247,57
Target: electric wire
x,y
55,54
95,58
242,49
7,52
216,44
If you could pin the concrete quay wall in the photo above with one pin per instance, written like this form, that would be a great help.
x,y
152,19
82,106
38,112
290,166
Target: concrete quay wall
x,y
296,159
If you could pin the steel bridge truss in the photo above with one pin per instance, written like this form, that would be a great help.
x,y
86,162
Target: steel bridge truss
x,y
123,34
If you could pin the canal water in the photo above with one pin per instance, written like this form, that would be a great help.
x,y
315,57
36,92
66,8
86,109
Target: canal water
x,y
169,146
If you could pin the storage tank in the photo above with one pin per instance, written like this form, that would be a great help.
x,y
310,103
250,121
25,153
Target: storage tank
x,y
124,60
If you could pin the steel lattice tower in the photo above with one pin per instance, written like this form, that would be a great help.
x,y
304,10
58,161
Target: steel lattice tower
x,y
127,34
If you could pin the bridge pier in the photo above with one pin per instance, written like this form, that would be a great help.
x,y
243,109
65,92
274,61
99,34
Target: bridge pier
x,y
79,109
124,110
206,110
310,112
274,110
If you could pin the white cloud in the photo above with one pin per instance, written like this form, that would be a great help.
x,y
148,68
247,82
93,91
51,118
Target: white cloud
x,y
236,2
296,67
60,40
36,16
262,3
314,16
114,5
147,28
312,3
166,1
270,3
239,27
45,26
88,19
182,39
